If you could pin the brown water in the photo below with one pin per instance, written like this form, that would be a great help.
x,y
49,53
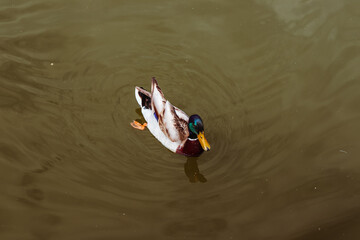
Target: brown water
x,y
276,83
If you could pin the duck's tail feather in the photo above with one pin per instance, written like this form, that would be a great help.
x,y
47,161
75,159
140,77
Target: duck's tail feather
x,y
143,97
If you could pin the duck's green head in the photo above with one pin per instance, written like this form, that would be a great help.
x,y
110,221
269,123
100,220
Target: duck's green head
x,y
196,129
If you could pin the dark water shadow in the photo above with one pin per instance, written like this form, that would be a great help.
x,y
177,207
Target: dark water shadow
x,y
33,193
192,171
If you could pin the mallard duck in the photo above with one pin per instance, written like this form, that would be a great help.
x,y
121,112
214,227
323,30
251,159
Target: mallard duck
x,y
170,125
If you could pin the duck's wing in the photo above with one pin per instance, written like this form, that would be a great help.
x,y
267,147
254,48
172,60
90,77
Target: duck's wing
x,y
157,98
182,115
175,127
172,121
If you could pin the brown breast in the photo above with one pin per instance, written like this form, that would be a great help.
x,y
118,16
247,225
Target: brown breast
x,y
191,148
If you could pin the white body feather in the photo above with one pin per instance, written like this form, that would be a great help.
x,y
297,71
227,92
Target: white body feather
x,y
172,140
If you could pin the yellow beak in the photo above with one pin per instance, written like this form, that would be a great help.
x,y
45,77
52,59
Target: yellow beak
x,y
204,143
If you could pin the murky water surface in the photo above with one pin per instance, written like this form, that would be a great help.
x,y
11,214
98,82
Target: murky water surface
x,y
276,83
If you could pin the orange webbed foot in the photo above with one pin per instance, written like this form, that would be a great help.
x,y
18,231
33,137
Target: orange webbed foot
x,y
138,125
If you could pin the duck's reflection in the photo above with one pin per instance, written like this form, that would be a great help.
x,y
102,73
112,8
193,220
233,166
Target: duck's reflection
x,y
192,171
